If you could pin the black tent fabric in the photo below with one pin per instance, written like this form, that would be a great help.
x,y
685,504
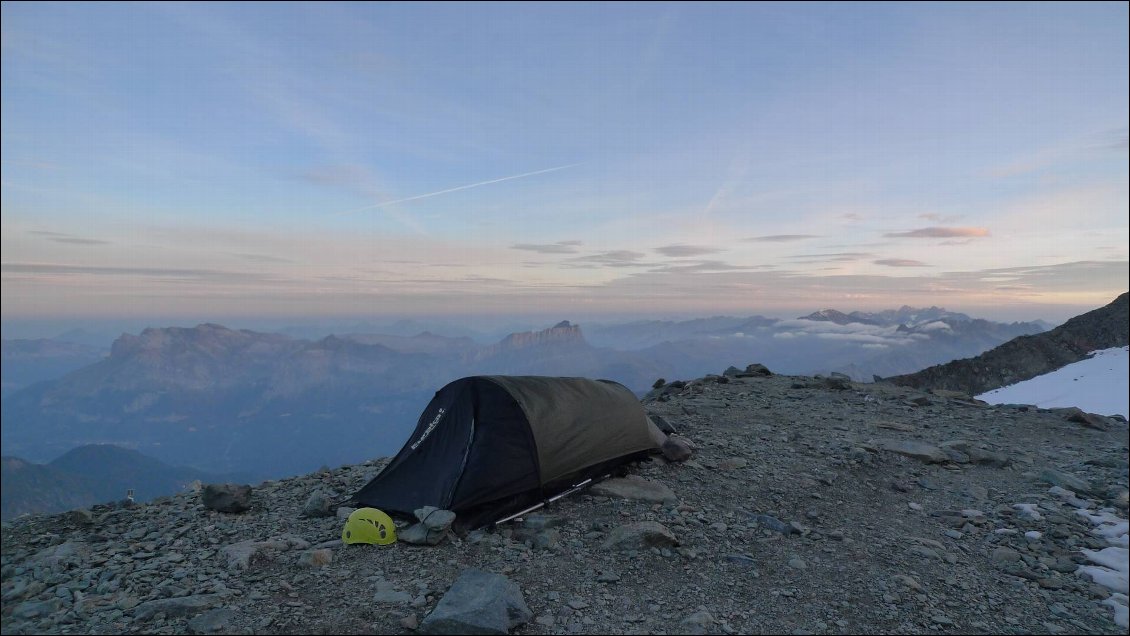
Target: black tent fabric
x,y
487,446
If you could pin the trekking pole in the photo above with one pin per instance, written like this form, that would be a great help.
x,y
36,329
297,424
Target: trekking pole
x,y
575,488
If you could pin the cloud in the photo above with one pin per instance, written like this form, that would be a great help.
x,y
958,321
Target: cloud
x,y
615,258
50,269
74,240
262,258
900,262
708,266
832,257
70,239
940,232
560,247
686,250
780,238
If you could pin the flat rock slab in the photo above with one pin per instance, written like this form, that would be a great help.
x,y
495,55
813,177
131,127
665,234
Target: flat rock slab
x,y
639,536
1065,480
918,450
478,603
634,487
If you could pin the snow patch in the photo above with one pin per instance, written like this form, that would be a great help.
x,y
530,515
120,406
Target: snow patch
x,y
1096,385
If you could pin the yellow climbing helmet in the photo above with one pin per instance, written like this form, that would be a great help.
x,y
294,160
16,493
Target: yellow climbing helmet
x,y
368,525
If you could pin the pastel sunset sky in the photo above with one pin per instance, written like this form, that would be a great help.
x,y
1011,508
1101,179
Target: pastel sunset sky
x,y
215,161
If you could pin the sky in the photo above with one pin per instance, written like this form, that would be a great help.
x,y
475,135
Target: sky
x,y
209,161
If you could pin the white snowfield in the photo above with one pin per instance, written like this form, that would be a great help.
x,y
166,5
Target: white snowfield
x,y
1096,385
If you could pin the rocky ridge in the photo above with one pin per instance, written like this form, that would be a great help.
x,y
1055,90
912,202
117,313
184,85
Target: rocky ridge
x,y
810,505
1026,357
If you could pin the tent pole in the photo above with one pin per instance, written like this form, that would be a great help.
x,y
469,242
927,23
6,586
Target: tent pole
x,y
575,488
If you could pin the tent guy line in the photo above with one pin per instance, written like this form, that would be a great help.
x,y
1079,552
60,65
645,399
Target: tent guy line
x,y
455,189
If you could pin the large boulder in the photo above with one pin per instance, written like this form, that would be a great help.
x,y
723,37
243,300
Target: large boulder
x,y
478,603
226,497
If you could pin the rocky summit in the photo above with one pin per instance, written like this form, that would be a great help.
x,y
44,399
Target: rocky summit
x,y
807,506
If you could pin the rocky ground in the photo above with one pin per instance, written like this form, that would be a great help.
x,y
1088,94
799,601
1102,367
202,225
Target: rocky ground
x,y
810,505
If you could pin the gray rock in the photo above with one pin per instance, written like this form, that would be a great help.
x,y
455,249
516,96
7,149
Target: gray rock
x,y
1064,480
743,560
838,382
676,449
216,621
772,523
1089,420
420,534
976,454
35,609
757,370
315,558
638,536
478,603
318,505
636,488
173,607
434,519
410,622
389,595
1003,555
698,623
226,497
80,517
240,555
921,451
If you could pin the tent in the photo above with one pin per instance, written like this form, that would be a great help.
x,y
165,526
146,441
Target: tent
x,y
487,446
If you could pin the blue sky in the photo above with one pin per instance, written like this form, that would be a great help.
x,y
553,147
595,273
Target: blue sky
x,y
578,160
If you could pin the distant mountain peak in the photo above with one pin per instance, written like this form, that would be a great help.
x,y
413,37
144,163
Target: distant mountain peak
x,y
563,333
838,317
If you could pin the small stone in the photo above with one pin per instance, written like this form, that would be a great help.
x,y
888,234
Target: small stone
x,y
698,623
1003,555
318,505
315,558
676,449
797,563
410,622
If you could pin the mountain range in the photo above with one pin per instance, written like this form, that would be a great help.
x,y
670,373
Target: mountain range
x,y
270,404
91,474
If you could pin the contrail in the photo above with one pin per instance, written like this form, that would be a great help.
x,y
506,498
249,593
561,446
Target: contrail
x,y
455,189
